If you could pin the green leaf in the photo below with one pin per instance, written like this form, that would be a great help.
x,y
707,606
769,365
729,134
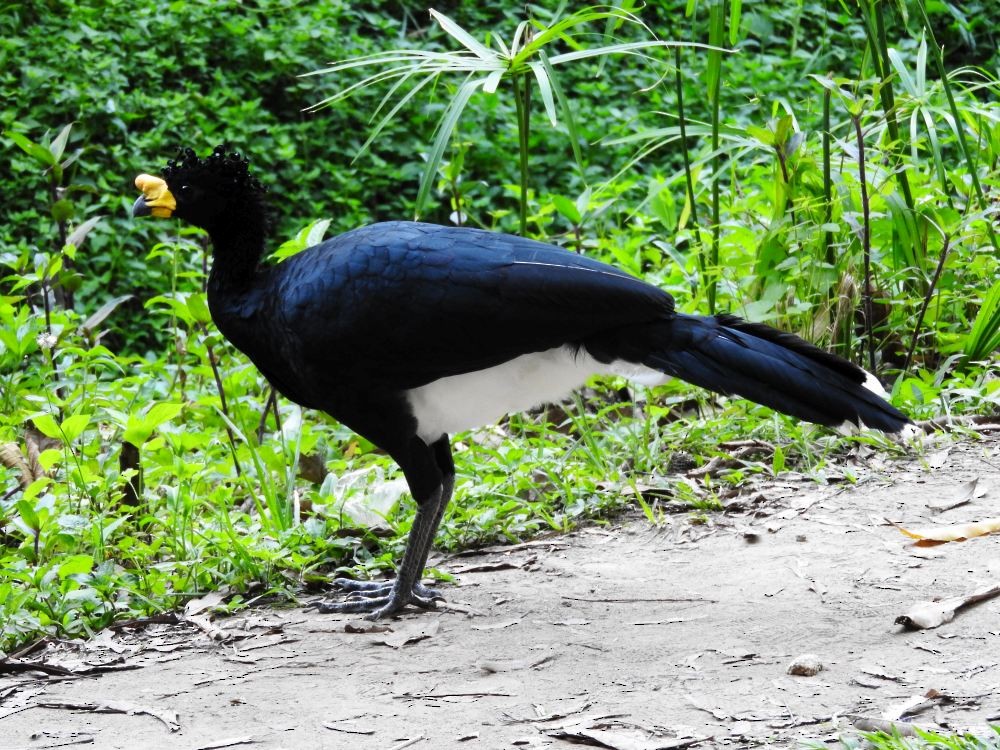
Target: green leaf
x,y
58,145
735,8
79,234
567,208
567,111
138,428
984,338
47,425
72,427
177,306
764,135
76,565
28,515
716,37
904,75
37,152
62,210
198,307
545,89
49,458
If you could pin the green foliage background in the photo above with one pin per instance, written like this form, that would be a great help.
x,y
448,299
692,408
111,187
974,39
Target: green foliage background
x,y
106,342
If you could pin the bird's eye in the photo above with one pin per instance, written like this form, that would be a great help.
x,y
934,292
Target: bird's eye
x,y
185,189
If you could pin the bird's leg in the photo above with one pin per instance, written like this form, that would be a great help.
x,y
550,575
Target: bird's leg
x,y
430,472
375,589
391,597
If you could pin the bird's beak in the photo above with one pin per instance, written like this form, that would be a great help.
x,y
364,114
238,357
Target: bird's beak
x,y
156,199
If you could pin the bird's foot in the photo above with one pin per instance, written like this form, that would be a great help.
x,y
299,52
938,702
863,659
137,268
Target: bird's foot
x,y
378,599
358,589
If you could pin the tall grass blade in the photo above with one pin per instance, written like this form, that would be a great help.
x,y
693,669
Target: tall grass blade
x,y
463,37
445,129
984,338
567,111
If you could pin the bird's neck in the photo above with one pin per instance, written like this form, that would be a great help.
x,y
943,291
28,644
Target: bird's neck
x,y
236,252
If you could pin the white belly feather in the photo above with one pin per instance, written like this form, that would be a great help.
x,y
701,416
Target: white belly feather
x,y
461,402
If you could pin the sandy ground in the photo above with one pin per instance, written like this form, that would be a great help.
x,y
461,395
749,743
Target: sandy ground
x,y
631,635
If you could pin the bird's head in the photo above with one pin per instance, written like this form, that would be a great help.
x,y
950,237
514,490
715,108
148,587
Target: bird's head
x,y
216,193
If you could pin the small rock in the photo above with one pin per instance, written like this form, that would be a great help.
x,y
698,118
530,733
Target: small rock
x,y
806,665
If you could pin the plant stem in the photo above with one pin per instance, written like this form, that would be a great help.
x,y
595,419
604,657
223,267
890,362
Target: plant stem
x,y
222,400
926,303
522,98
866,244
716,199
689,178
827,182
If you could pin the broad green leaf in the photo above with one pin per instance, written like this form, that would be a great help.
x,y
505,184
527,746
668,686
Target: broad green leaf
x,y
138,428
198,307
764,135
28,514
38,152
76,565
72,427
62,210
47,425
177,306
567,208
49,458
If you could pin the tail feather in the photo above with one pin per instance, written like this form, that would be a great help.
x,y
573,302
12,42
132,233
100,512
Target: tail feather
x,y
731,356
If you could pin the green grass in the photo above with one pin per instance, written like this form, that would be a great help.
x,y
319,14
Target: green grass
x,y
923,741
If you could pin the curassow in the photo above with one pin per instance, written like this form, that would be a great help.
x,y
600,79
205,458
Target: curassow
x,y
406,332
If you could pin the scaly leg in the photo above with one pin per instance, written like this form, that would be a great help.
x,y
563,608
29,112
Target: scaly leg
x,y
389,598
383,598
380,589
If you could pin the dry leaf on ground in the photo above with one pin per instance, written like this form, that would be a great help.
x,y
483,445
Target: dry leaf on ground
x,y
966,493
955,532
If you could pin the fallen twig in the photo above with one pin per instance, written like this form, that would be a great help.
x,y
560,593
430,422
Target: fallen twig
x,y
407,743
169,718
639,600
926,615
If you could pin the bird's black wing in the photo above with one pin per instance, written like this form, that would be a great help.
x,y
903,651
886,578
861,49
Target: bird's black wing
x,y
408,303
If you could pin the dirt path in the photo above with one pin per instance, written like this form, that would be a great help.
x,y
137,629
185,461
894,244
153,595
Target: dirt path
x,y
647,635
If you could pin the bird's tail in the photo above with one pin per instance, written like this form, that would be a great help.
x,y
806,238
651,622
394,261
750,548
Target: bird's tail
x,y
731,356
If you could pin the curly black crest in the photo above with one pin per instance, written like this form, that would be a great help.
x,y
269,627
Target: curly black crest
x,y
222,166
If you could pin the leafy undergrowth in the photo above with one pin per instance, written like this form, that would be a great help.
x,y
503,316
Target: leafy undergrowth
x,y
92,535
922,741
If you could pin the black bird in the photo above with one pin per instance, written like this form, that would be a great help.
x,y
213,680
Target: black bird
x,y
406,332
